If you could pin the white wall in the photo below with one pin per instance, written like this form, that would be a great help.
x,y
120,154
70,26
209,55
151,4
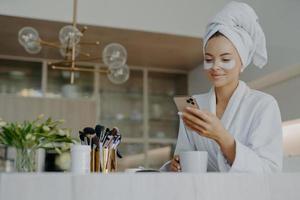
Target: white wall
x,y
167,16
280,22
288,97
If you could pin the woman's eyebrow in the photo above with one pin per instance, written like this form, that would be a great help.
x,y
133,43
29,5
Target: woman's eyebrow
x,y
225,54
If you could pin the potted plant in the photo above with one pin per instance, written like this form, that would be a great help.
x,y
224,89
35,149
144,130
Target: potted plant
x,y
29,136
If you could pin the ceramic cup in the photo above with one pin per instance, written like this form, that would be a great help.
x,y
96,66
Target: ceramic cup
x,y
193,161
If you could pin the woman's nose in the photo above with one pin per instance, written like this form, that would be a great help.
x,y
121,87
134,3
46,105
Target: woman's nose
x,y
217,65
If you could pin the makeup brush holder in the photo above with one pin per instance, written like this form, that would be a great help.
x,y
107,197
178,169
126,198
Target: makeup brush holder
x,y
104,161
103,144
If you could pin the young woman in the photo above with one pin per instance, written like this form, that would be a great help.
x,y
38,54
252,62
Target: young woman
x,y
240,128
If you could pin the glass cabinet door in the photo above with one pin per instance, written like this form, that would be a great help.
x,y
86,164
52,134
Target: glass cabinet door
x,y
23,78
122,105
163,118
59,84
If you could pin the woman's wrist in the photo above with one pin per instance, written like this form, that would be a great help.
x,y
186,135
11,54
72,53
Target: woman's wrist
x,y
227,145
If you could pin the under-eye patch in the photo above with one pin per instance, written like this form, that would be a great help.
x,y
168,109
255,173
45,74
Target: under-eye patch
x,y
225,65
228,65
208,65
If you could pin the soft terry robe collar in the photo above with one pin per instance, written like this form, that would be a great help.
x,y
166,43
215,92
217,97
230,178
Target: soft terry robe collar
x,y
233,104
229,115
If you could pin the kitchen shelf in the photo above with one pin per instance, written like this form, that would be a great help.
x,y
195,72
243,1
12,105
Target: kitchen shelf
x,y
124,95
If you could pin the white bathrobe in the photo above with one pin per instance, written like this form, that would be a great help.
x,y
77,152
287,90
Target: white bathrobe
x,y
253,118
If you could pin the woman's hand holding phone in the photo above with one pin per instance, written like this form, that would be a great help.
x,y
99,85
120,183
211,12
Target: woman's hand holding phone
x,y
205,124
209,125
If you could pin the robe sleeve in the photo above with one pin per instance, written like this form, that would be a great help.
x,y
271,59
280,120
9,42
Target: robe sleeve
x,y
184,143
263,151
184,140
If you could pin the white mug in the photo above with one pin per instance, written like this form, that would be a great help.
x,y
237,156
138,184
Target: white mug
x,y
193,161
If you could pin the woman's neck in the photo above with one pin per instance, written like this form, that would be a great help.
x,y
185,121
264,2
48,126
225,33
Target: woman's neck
x,y
224,93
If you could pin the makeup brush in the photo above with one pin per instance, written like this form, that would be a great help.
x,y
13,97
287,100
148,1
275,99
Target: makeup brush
x,y
95,140
106,134
92,158
92,144
115,131
82,139
99,129
88,130
119,154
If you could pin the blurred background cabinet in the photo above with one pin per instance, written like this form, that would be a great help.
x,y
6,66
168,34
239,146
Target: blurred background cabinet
x,y
142,108
20,77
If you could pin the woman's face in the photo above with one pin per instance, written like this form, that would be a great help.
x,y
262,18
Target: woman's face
x,y
223,61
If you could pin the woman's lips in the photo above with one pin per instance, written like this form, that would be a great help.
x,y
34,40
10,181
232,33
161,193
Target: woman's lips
x,y
217,76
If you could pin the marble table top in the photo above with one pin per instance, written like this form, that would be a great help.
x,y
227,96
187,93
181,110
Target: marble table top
x,y
144,186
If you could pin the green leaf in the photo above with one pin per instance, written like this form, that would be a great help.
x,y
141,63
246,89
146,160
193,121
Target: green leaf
x,y
31,134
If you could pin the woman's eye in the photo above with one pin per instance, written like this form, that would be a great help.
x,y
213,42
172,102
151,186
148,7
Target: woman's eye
x,y
208,60
226,60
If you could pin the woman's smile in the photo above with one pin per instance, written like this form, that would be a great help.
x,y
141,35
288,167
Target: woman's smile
x,y
218,76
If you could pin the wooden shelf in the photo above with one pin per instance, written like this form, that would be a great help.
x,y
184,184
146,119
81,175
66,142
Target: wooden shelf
x,y
164,51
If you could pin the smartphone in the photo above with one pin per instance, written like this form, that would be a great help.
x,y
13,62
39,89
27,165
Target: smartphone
x,y
185,101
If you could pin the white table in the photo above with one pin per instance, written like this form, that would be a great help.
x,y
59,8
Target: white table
x,y
211,186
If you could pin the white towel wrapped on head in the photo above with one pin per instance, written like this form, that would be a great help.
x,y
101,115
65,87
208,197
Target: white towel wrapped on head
x,y
239,23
